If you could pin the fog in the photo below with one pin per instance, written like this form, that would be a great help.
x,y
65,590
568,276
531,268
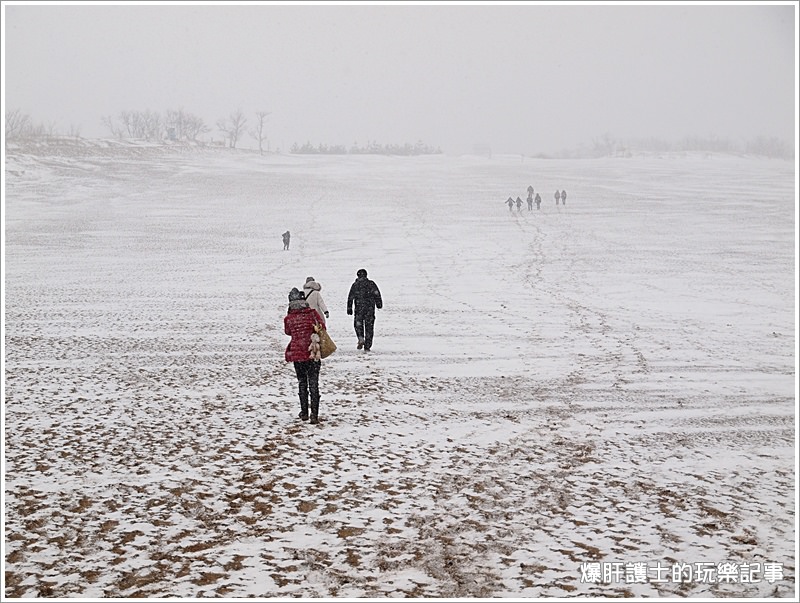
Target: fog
x,y
522,78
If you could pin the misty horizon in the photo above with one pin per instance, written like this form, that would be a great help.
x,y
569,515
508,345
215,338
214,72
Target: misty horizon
x,y
524,78
606,144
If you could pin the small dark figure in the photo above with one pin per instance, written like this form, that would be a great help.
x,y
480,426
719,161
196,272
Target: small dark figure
x,y
286,237
365,296
299,324
519,204
530,199
538,201
558,197
530,191
510,203
563,197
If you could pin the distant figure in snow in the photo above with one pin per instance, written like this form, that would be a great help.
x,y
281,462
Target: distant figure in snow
x,y
538,201
314,298
530,191
557,196
286,237
519,204
365,296
510,204
530,199
563,197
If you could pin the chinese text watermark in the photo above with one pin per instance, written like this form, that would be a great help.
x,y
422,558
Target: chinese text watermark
x,y
607,572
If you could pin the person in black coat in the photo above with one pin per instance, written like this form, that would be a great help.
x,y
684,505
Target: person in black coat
x,y
364,297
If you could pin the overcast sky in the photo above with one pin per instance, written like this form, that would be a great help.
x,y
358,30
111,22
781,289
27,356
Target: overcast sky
x,y
522,77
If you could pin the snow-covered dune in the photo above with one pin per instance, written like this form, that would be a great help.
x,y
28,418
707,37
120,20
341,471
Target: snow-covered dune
x,y
574,401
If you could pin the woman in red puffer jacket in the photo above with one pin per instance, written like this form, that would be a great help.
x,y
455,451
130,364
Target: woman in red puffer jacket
x,y
299,324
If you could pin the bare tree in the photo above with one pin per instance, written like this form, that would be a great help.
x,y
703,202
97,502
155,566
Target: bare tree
x,y
17,124
259,132
185,125
145,125
175,123
150,125
42,130
194,126
128,123
770,147
233,127
115,130
605,146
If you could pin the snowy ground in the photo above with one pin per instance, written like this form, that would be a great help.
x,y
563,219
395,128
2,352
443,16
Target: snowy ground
x,y
558,403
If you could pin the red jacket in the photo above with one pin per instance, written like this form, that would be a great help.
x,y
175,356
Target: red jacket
x,y
300,325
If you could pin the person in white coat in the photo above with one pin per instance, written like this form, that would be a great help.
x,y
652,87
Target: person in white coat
x,y
314,298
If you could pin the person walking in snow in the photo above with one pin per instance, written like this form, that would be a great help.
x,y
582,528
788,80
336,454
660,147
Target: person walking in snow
x,y
530,199
530,191
286,237
557,196
563,197
538,201
519,204
362,300
314,298
510,203
299,325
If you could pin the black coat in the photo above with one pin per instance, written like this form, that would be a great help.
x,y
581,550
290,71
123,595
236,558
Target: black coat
x,y
366,296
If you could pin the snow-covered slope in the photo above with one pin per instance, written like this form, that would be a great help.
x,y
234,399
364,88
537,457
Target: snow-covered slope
x,y
598,387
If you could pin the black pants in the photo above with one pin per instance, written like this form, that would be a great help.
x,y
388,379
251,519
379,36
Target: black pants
x,y
365,328
308,384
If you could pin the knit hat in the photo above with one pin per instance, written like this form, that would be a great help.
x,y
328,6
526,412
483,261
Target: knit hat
x,y
361,273
309,278
295,294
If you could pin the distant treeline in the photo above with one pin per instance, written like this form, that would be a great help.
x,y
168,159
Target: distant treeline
x,y
609,146
174,125
371,148
178,125
133,125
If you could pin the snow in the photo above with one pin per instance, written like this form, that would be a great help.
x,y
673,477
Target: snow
x,y
612,381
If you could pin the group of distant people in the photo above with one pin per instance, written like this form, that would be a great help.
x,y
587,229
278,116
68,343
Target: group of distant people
x,y
560,196
307,313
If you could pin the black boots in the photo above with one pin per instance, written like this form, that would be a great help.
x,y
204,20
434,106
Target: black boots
x,y
303,416
305,393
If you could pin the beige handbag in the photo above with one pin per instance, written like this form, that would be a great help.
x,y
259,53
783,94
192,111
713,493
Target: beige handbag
x,y
326,344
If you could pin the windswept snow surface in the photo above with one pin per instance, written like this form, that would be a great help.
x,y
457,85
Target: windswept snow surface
x,y
558,402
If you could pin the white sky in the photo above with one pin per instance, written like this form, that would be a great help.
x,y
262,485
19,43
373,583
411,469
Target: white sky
x,y
523,77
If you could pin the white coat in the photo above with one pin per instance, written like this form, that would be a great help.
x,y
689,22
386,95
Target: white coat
x,y
314,298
